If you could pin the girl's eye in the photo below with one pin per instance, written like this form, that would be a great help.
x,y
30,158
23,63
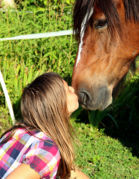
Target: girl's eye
x,y
100,24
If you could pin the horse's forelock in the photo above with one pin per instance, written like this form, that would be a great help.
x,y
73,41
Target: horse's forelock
x,y
82,7
111,14
131,9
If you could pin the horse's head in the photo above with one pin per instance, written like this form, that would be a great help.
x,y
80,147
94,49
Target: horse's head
x,y
108,35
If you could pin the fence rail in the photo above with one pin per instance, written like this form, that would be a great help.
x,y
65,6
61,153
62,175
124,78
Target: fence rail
x,y
39,35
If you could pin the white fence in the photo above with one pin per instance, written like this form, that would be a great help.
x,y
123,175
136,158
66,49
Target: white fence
x,y
38,36
25,37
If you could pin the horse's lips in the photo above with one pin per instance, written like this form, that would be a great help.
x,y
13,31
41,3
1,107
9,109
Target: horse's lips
x,y
101,107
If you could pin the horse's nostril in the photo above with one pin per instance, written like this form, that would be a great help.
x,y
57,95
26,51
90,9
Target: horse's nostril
x,y
84,97
99,98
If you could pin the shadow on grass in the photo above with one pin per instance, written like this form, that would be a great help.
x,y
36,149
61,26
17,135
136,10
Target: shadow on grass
x,y
127,133
121,119
125,112
17,111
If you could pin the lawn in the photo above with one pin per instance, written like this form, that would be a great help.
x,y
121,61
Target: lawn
x,y
101,156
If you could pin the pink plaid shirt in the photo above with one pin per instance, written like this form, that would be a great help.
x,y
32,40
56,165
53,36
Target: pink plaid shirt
x,y
35,149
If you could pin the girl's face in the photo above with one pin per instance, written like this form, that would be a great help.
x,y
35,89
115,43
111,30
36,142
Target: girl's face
x,y
72,99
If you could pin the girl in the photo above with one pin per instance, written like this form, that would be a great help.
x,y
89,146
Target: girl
x,y
41,146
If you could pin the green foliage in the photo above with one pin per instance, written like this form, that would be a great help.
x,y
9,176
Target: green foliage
x,y
43,4
125,106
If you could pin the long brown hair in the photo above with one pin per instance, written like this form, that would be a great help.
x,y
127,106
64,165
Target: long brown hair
x,y
44,107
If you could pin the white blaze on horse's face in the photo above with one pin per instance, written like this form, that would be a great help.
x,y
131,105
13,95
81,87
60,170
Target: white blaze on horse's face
x,y
82,36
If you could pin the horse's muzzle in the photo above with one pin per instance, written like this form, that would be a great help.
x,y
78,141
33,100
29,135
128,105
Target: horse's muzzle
x,y
96,99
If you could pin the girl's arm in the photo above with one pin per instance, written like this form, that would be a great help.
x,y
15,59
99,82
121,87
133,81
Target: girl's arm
x,y
24,171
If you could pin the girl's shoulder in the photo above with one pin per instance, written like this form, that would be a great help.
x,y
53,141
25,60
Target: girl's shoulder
x,y
33,148
31,141
36,136
43,141
37,139
42,155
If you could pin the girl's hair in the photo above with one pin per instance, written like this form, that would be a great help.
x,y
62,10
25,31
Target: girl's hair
x,y
44,107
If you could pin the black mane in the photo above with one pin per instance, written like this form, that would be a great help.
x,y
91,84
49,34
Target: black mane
x,y
82,7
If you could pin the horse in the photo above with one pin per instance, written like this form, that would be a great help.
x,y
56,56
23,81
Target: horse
x,y
107,32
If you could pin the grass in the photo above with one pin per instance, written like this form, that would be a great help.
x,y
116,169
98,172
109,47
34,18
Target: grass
x,y
5,121
100,156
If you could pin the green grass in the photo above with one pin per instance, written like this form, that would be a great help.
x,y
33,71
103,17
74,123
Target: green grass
x,y
5,121
100,156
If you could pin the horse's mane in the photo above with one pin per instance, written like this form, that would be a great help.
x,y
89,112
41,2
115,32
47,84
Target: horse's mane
x,y
83,7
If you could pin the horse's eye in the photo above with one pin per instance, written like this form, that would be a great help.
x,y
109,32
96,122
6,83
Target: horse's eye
x,y
100,24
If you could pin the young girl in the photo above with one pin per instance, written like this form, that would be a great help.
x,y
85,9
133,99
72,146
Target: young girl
x,y
41,146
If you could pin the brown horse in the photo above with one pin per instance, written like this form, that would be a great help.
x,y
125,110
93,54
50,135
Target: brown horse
x,y
108,36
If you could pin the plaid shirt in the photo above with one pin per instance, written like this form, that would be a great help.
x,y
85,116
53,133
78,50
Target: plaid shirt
x,y
35,149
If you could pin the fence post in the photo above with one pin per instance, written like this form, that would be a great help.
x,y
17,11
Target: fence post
x,y
7,98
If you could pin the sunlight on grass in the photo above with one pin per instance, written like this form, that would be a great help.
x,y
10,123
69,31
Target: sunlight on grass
x,y
101,156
